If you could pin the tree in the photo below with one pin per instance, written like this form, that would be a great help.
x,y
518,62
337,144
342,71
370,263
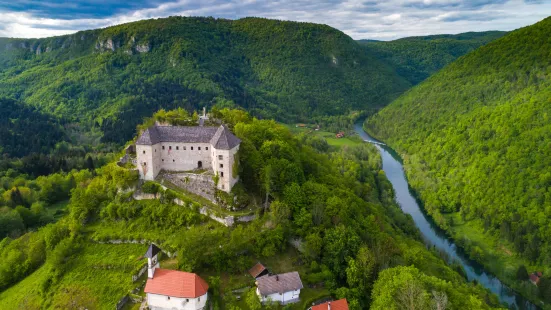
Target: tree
x,y
360,270
439,300
90,163
252,300
411,296
522,273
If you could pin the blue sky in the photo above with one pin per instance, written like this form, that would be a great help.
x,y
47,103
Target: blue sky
x,y
361,19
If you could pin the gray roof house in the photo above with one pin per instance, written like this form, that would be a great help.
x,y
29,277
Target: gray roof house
x,y
283,288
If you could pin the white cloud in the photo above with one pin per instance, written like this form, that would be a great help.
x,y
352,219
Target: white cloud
x,y
360,19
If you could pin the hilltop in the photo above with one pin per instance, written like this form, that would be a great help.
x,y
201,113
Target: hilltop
x,y
110,79
476,140
327,214
417,58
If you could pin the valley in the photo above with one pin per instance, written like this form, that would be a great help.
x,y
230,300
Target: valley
x,y
225,143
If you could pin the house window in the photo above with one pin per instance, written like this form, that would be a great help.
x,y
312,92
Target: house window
x,y
168,297
170,147
163,147
162,159
144,163
206,148
220,157
198,298
177,148
155,150
222,186
187,299
192,148
221,174
173,160
199,148
144,152
221,166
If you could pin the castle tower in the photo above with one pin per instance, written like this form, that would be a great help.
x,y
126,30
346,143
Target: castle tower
x,y
152,261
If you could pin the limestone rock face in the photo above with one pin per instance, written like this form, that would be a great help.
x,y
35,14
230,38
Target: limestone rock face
x,y
143,48
107,44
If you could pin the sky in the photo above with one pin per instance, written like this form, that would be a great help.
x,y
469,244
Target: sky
x,y
360,19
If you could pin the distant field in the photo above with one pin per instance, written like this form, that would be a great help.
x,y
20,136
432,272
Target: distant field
x,y
350,140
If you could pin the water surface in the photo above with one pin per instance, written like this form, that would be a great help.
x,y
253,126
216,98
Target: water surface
x,y
432,234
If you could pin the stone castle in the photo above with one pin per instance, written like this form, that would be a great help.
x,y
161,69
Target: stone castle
x,y
179,148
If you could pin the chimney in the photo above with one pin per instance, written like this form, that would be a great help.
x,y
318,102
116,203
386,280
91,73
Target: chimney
x,y
329,306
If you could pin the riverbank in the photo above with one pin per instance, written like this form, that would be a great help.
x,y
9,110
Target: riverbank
x,y
416,183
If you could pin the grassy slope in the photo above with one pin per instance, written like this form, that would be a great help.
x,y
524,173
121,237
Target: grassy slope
x,y
475,138
111,279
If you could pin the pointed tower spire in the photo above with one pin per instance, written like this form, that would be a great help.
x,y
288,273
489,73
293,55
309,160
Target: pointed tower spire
x,y
152,260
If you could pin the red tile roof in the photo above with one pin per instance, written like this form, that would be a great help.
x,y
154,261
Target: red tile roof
x,y
176,284
256,270
534,278
340,304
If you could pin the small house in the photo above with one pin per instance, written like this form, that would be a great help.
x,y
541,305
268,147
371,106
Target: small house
x,y
340,304
258,271
340,134
283,288
173,289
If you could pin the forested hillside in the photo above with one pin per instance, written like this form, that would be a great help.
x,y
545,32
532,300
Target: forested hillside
x,y
23,130
353,240
417,58
477,144
112,78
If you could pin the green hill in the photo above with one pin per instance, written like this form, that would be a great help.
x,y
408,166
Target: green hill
x,y
476,138
331,217
112,78
417,58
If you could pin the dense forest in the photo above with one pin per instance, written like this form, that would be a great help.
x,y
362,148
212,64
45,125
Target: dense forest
x,y
24,130
417,58
110,79
355,242
476,139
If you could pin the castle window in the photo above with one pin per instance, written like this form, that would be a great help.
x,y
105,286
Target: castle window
x,y
192,148
222,186
163,147
144,163
170,147
221,166
221,174
199,148
144,152
206,148
173,160
177,148
162,159
184,148
220,157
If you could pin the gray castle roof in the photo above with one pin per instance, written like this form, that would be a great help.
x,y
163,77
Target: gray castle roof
x,y
279,283
220,137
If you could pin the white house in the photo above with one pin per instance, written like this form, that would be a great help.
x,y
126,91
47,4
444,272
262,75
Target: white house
x,y
173,289
283,288
181,148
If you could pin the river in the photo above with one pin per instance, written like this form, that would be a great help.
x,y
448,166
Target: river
x,y
432,234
